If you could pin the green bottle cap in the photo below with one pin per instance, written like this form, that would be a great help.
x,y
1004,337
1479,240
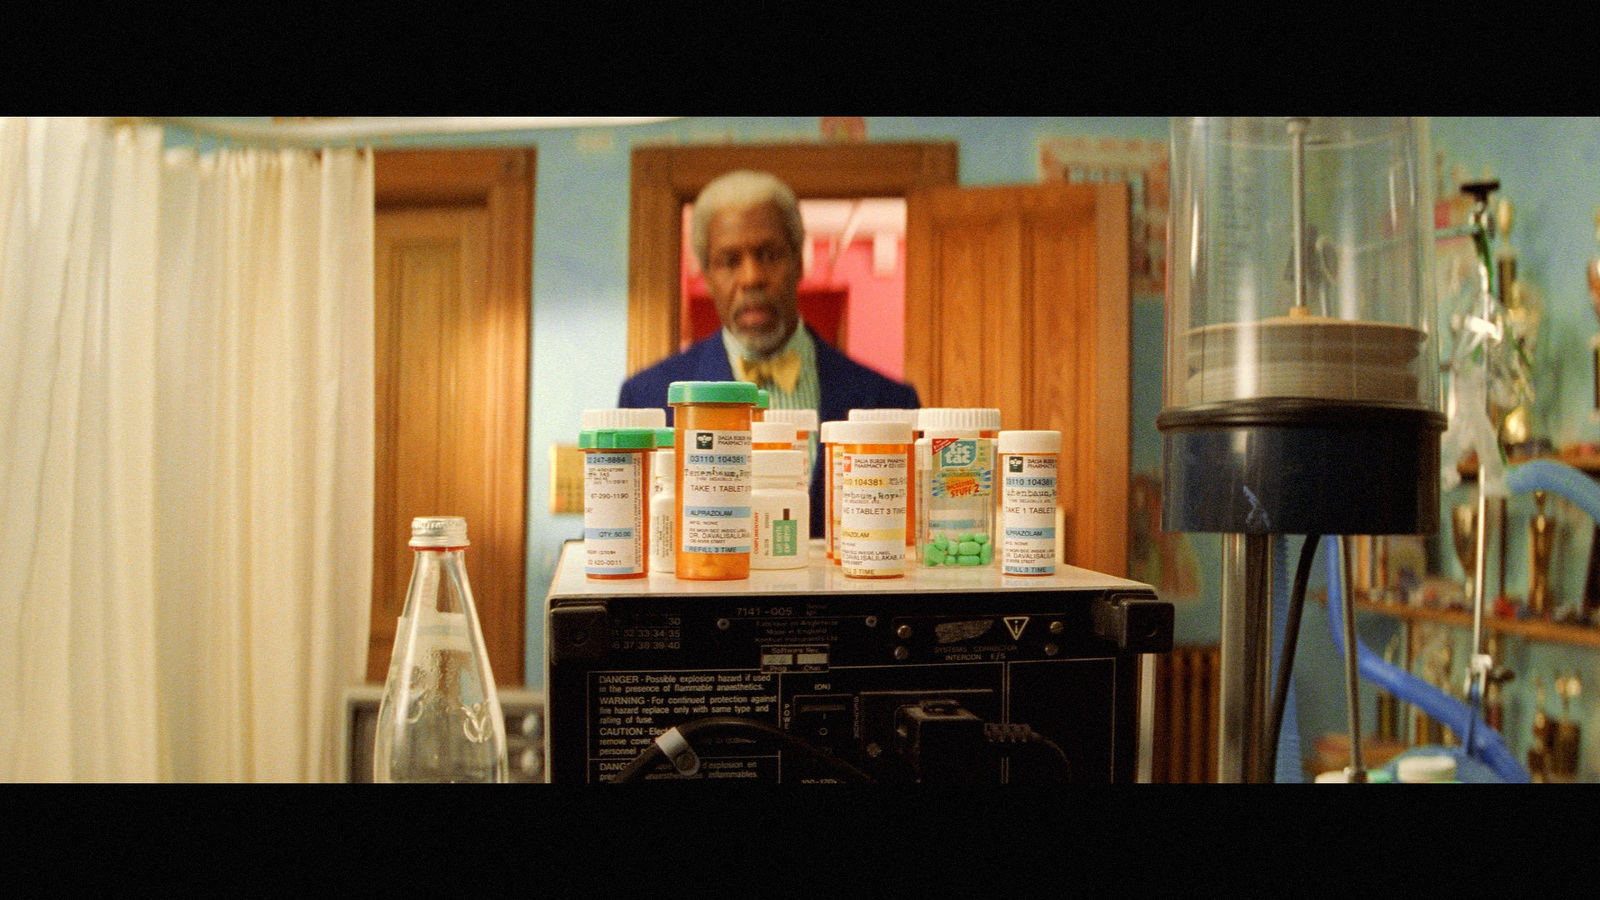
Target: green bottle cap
x,y
586,440
711,392
666,437
625,438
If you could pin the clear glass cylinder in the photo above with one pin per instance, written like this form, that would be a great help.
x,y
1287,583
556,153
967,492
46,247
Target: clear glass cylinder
x,y
440,719
1301,262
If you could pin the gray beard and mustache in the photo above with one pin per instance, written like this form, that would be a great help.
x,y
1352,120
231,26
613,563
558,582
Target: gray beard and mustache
x,y
766,342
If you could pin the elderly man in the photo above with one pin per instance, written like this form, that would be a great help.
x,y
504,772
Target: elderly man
x,y
747,235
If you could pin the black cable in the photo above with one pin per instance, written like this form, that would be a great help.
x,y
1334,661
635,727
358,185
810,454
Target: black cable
x,y
733,726
1291,634
1019,735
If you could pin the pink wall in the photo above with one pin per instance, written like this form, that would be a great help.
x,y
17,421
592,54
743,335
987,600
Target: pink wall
x,y
876,321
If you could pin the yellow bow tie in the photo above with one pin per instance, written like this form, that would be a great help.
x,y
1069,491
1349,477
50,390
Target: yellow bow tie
x,y
782,370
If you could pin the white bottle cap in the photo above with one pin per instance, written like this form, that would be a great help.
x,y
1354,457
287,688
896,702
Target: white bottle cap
x,y
785,464
664,462
867,432
1429,767
946,417
801,419
439,531
596,419
908,416
960,434
769,432
825,432
1029,442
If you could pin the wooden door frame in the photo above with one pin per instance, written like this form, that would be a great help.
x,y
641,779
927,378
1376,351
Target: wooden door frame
x,y
664,178
501,180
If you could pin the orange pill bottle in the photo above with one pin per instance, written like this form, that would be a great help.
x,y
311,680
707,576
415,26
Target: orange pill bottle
x,y
875,512
712,522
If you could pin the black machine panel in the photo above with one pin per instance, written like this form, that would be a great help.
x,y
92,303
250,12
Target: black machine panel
x,y
883,687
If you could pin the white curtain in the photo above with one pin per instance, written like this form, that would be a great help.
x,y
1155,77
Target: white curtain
x,y
186,460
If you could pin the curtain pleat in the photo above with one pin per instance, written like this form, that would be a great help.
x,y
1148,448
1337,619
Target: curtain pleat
x,y
186,378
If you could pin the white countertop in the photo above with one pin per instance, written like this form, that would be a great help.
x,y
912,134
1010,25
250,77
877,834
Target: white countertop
x,y
822,578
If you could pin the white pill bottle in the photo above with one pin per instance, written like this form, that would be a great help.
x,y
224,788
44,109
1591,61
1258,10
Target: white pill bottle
x,y
663,548
780,509
1028,467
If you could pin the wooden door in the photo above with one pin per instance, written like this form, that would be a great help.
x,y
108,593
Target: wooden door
x,y
1017,298
453,245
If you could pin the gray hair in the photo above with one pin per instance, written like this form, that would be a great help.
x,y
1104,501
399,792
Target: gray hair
x,y
741,190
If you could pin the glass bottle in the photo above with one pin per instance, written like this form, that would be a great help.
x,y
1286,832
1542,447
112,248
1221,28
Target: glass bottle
x,y
440,718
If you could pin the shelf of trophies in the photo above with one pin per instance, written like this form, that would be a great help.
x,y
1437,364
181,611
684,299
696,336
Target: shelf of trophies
x,y
1442,601
1508,618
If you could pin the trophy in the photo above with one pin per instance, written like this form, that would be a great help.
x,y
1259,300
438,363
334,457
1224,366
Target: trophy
x,y
1540,536
1464,531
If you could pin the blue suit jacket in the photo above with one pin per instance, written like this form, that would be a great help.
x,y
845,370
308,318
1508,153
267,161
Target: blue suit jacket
x,y
843,385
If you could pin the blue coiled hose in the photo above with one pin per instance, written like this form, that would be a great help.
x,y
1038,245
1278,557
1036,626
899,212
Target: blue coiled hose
x,y
1557,478
1485,743
1288,766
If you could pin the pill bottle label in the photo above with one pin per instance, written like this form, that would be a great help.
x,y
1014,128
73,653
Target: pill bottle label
x,y
803,443
872,520
1028,511
960,498
613,513
836,489
777,537
662,554
716,492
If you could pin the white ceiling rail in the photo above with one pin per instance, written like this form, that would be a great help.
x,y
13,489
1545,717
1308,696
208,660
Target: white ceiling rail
x,y
321,131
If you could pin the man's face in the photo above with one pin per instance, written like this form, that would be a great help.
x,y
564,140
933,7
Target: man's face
x,y
753,276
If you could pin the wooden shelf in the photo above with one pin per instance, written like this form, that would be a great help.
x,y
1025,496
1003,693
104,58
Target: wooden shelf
x,y
1532,629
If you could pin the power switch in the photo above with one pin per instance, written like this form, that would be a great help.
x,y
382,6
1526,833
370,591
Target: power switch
x,y
827,720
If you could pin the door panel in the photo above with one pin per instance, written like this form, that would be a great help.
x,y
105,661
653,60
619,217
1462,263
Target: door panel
x,y
1017,298
453,240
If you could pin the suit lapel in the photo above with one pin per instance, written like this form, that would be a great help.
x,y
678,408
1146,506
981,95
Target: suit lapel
x,y
711,360
828,373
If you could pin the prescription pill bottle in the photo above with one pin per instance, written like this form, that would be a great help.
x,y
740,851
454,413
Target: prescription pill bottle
x,y
1028,502
806,435
913,492
780,509
711,504
616,490
955,478
663,553
874,507
766,435
831,465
